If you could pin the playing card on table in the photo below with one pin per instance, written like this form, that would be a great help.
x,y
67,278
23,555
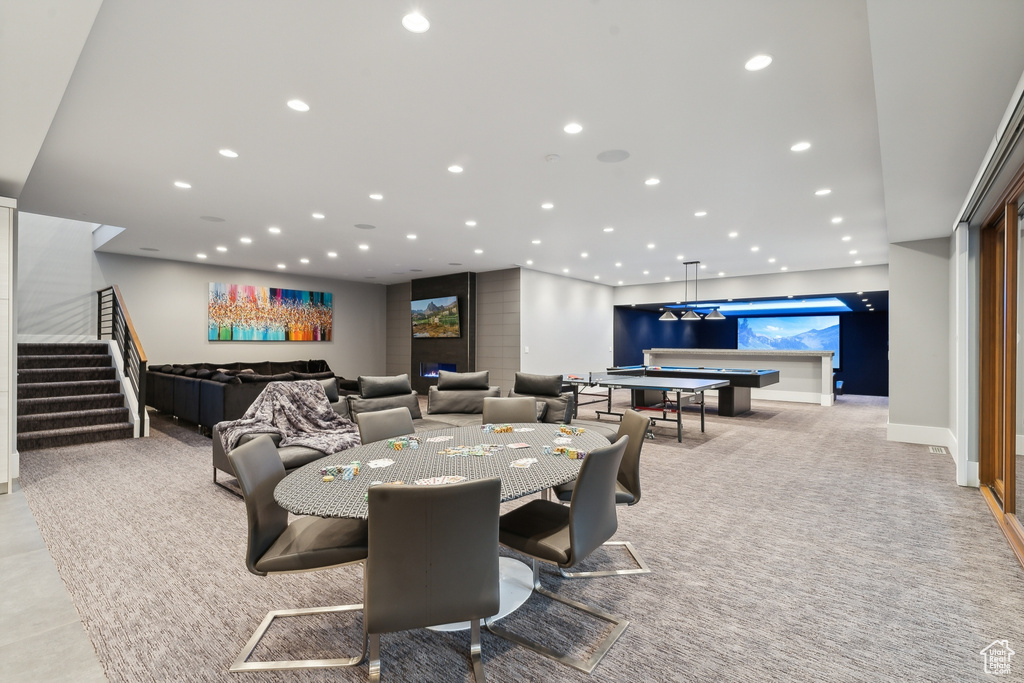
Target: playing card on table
x,y
524,429
523,463
439,439
563,440
383,462
519,445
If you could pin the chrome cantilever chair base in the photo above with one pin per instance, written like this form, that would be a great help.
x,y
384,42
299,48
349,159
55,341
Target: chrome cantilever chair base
x,y
642,569
242,663
585,665
474,654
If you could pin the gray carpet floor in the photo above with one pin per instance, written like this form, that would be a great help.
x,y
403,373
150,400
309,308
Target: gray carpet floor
x,y
791,544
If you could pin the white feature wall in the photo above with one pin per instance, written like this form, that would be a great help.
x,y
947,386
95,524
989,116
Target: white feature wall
x,y
565,325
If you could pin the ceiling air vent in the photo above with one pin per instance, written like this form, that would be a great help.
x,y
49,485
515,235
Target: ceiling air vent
x,y
937,450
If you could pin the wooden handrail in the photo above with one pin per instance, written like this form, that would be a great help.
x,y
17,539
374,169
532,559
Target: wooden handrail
x,y
129,325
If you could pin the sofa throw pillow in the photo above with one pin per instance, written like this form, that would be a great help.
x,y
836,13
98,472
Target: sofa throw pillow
x,y
330,387
191,372
178,370
312,375
225,378
164,368
249,378
204,374
538,385
455,381
373,387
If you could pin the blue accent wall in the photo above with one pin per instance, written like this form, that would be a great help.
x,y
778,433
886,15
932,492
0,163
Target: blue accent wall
x,y
864,340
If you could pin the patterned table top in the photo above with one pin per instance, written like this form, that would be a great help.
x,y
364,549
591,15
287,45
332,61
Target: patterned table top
x,y
304,492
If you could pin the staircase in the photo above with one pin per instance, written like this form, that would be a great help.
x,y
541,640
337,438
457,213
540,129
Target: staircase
x,y
68,394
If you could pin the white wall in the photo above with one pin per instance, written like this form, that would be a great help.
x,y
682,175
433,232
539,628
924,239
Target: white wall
x,y
808,282
919,355
168,304
56,302
565,324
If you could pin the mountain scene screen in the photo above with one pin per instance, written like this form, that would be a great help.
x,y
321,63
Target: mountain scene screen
x,y
437,317
791,333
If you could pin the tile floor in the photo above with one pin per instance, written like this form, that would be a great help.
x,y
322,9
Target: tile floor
x,y
41,636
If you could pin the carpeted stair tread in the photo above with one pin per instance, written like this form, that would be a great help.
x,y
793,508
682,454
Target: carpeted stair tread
x,y
64,361
82,348
59,404
38,375
51,438
43,389
74,418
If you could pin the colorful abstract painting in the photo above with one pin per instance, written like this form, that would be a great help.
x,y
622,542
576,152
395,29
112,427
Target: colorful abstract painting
x,y
250,313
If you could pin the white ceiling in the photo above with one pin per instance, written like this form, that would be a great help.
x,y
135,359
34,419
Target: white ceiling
x,y
899,99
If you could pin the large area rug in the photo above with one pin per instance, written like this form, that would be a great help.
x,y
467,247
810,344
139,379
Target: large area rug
x,y
794,543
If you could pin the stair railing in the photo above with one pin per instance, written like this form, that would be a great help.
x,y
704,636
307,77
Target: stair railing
x,y
113,322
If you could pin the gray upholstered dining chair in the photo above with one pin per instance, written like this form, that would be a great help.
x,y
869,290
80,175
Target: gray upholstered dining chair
x,y
627,490
547,531
379,425
277,547
433,560
518,409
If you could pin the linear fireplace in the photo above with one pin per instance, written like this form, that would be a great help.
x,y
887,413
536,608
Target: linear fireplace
x,y
432,369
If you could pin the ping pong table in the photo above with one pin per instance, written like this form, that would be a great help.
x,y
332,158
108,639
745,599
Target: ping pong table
x,y
732,400
609,381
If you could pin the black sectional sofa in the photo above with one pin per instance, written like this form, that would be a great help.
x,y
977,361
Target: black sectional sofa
x,y
208,393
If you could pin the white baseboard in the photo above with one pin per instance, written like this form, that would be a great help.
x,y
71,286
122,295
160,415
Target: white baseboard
x,y
929,436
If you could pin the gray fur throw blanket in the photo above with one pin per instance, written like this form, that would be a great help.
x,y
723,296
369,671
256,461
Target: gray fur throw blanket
x,y
300,413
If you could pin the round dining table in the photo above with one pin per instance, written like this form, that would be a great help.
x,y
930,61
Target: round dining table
x,y
304,491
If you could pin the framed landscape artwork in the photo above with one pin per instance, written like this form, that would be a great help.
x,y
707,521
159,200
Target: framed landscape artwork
x,y
250,313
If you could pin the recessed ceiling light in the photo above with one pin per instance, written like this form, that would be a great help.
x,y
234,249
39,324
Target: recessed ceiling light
x,y
609,229
319,216
535,242
478,251
857,262
852,252
801,147
182,184
755,248
364,247
618,264
298,105
281,266
652,181
650,245
274,230
572,128
647,272
529,263
823,191
410,236
200,255
733,234
680,257
757,62
222,249
415,22
455,169
837,219
700,214
846,238
703,267
229,153
565,270
784,268
667,278
771,260
620,282
332,254
471,224
245,240
303,260
547,205
597,277
721,274
583,254
376,196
